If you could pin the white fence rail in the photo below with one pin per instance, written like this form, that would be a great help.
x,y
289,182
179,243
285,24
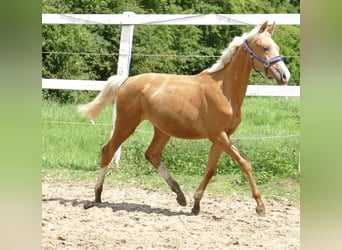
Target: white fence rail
x,y
130,18
252,90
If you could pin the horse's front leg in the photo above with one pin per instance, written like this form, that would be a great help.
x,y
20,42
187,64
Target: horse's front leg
x,y
214,156
246,166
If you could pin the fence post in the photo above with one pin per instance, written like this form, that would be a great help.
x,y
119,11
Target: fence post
x,y
124,60
125,50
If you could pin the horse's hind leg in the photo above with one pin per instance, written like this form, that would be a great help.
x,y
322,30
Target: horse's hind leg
x,y
121,133
214,156
153,155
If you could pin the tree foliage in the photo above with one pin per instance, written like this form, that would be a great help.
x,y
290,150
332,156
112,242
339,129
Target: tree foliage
x,y
91,51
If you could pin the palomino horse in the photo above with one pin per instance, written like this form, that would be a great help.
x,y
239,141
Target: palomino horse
x,y
206,105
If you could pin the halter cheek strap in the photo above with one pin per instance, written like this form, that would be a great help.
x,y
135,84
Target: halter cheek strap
x,y
266,63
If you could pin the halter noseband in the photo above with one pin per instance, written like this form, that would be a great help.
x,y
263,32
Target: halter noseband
x,y
266,63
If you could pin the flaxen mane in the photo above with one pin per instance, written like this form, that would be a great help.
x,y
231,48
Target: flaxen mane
x,y
229,52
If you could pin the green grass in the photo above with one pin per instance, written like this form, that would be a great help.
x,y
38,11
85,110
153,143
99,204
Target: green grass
x,y
268,136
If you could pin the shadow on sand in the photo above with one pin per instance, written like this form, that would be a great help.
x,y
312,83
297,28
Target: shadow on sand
x,y
123,206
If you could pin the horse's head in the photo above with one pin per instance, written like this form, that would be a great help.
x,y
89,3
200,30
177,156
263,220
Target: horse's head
x,y
264,54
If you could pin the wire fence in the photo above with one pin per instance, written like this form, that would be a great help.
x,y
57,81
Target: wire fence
x,y
257,137
96,54
143,55
276,151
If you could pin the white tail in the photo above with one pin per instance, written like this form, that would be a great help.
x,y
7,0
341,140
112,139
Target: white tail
x,y
107,95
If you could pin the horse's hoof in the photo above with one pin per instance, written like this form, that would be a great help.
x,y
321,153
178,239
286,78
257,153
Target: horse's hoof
x,y
195,211
181,200
260,211
88,204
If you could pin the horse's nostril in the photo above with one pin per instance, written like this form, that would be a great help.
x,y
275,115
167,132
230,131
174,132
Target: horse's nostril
x,y
284,76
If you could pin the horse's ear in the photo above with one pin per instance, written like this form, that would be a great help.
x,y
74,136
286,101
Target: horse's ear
x,y
263,27
271,29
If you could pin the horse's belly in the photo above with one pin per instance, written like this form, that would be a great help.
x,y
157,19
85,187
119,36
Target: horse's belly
x,y
183,133
179,125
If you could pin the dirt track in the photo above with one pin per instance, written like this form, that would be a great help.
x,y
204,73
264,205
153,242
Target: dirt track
x,y
134,218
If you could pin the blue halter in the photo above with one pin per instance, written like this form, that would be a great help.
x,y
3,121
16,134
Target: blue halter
x,y
266,63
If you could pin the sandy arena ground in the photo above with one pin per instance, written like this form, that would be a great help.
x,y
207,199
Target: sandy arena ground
x,y
137,218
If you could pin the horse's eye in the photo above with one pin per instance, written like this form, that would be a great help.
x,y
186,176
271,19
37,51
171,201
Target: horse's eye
x,y
266,48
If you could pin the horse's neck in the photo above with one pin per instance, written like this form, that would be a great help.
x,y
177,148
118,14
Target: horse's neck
x,y
235,76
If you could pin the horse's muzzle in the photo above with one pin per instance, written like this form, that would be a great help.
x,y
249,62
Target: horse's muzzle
x,y
280,73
